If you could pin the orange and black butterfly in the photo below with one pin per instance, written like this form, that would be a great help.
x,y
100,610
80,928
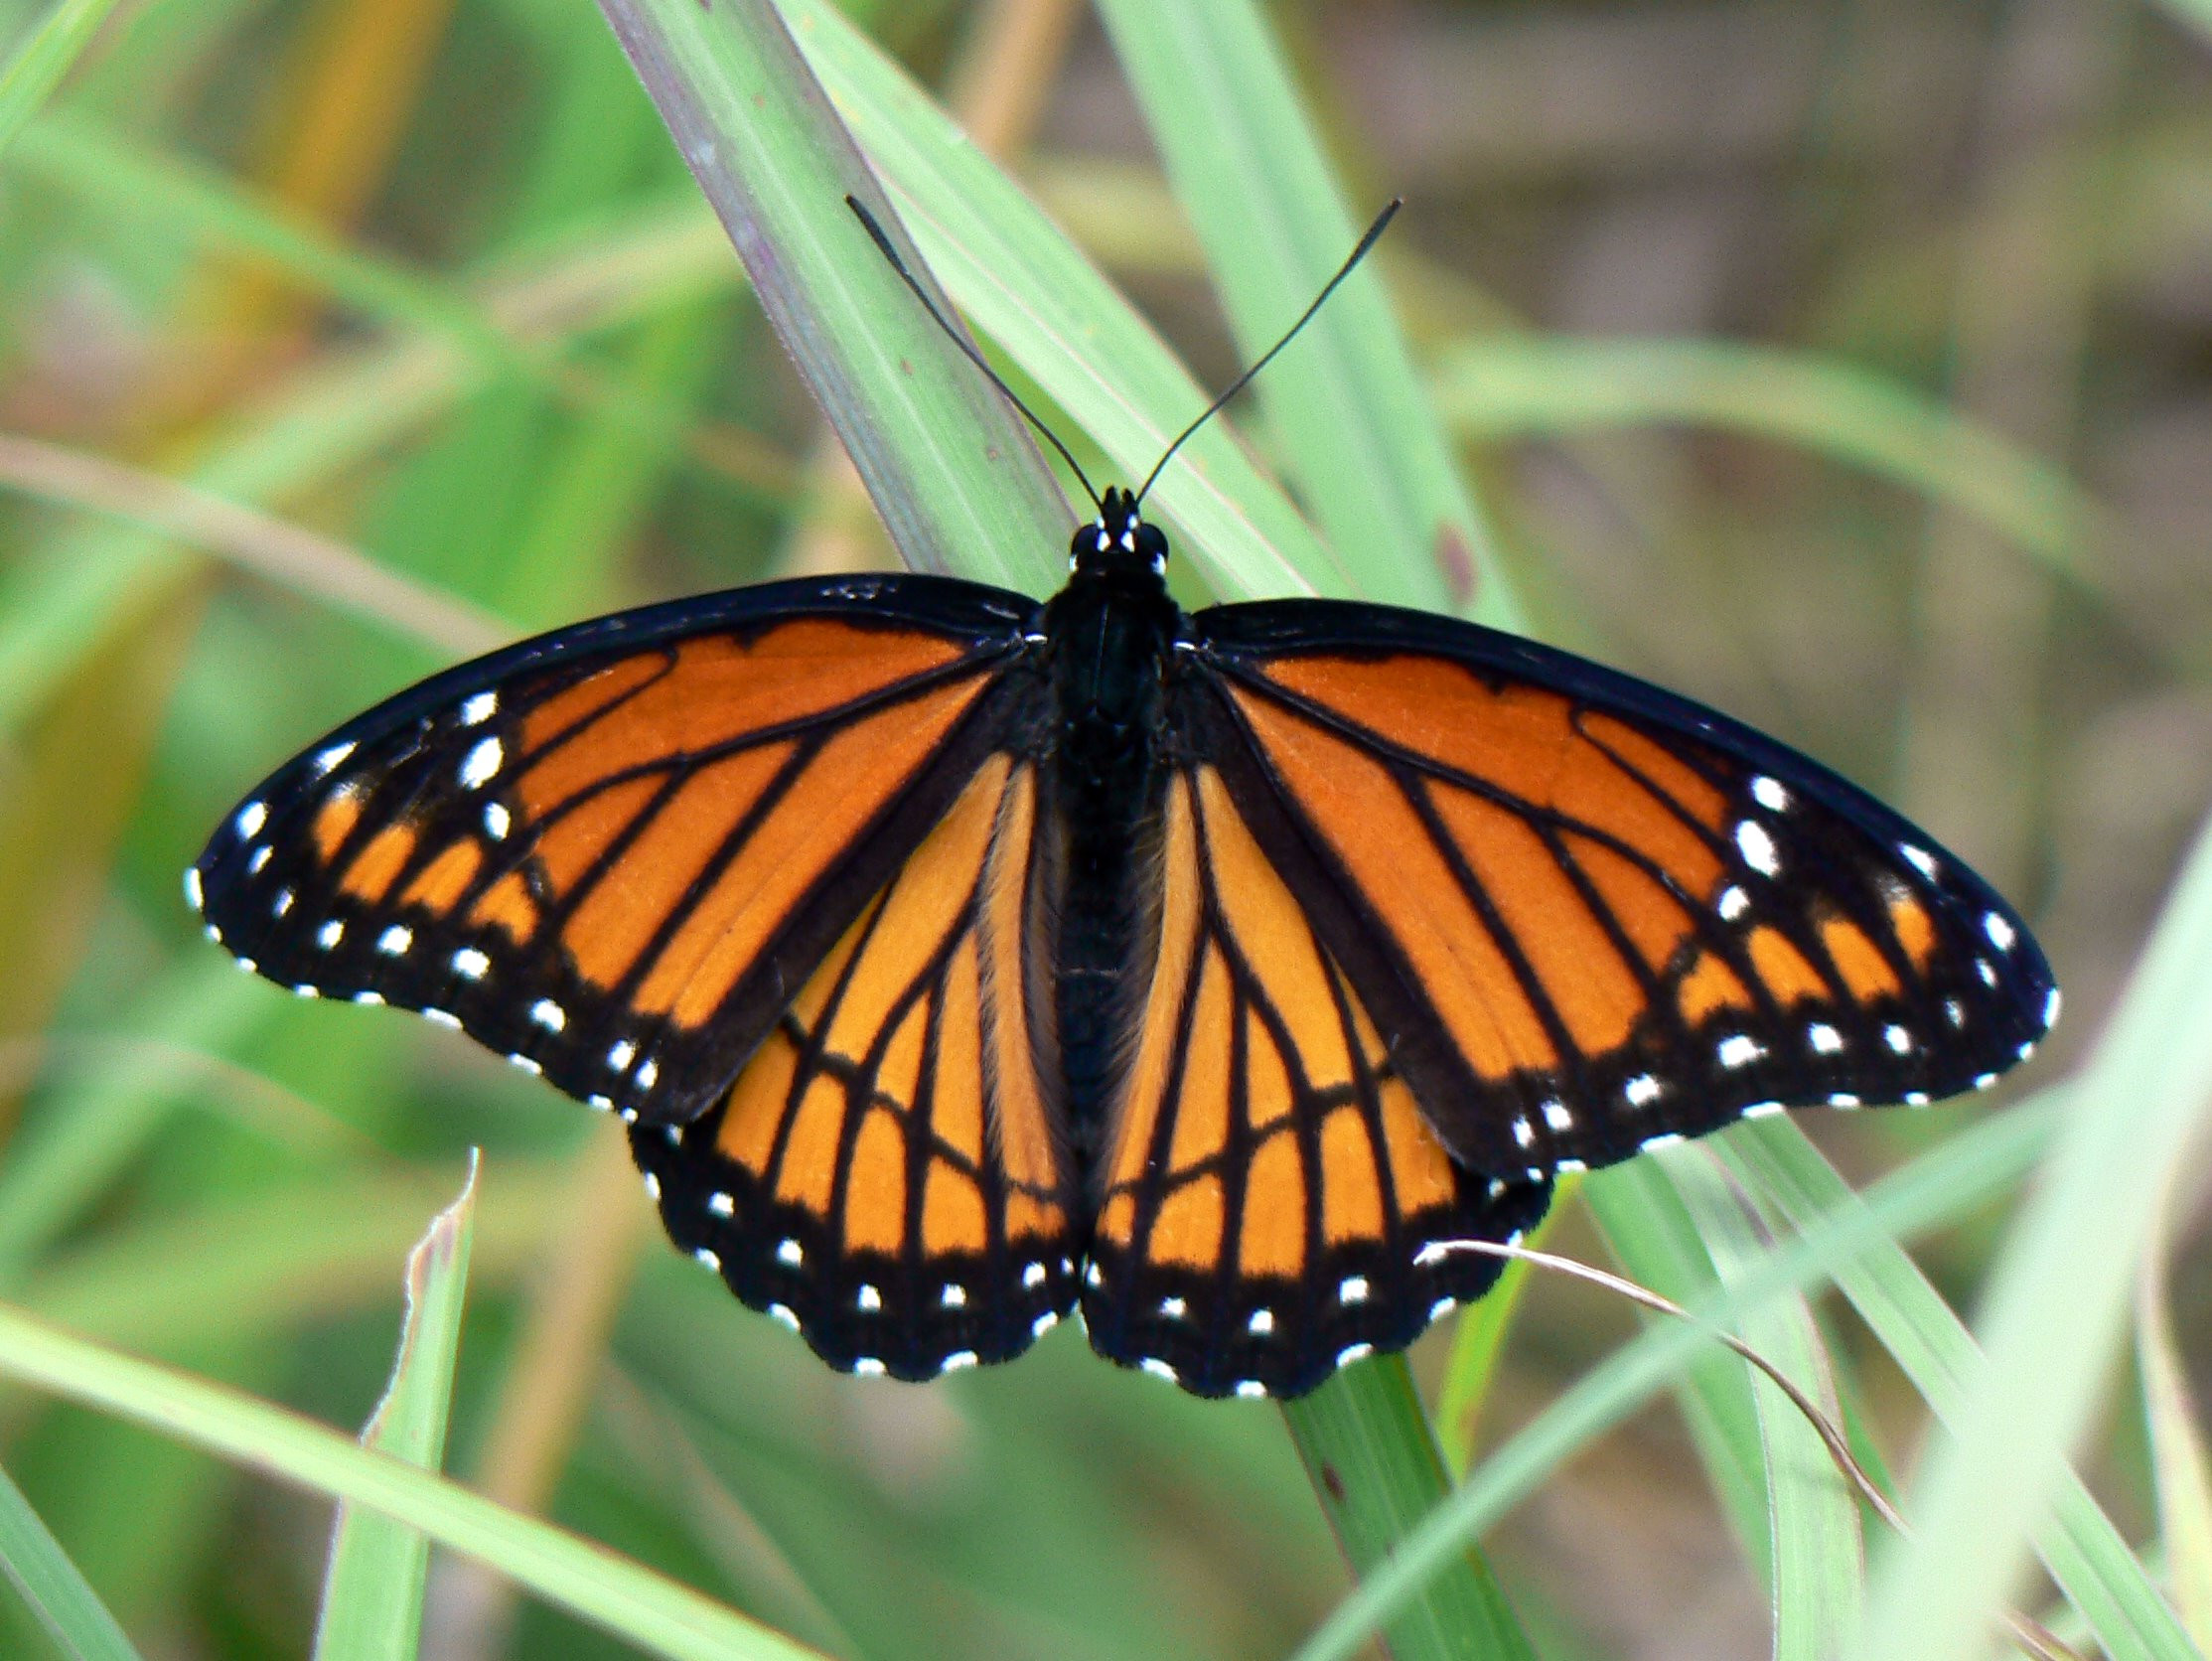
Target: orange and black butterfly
x,y
957,960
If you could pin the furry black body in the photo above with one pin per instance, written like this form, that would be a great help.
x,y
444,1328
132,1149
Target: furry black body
x,y
1110,637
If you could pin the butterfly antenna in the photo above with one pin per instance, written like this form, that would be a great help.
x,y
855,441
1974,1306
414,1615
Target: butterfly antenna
x,y
1328,288
967,349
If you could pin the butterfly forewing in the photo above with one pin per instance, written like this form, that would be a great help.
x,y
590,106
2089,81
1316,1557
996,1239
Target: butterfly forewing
x,y
611,853
1272,1203
886,1177
1597,916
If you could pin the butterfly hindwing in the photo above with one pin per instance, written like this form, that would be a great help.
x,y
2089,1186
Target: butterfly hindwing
x,y
887,1175
611,853
1271,1202
1595,915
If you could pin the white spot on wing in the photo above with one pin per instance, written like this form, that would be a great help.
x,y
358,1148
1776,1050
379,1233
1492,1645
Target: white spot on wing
x,y
2050,1009
1897,1038
261,858
1158,1369
1556,1115
443,1017
2001,932
548,1014
708,1255
1642,1090
1033,1276
526,1064
869,1367
1044,1323
721,1204
959,1359
394,941
648,1074
1250,1389
1919,858
1353,1352
1174,1308
481,764
324,760
480,708
1263,1322
282,903
622,1055
1666,1138
1353,1289
868,1298
789,1251
192,895
781,1315
250,818
1757,847
330,934
1523,1133
1825,1038
954,1296
1733,903
1762,1110
470,964
1740,1050
495,822
1769,794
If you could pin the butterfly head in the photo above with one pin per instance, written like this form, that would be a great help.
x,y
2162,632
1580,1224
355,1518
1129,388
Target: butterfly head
x,y
1119,540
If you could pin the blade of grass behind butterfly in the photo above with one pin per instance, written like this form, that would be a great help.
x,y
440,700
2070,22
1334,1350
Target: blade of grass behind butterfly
x,y
2081,1548
52,1586
1350,412
373,1592
1815,1557
1019,279
651,1613
42,57
952,470
1650,1230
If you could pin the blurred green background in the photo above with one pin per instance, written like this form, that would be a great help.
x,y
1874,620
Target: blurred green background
x,y
424,283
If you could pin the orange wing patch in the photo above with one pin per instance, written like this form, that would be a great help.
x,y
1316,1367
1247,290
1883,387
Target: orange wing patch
x,y
883,1126
1267,1180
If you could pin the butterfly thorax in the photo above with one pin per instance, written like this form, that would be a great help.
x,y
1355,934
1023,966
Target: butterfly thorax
x,y
1111,633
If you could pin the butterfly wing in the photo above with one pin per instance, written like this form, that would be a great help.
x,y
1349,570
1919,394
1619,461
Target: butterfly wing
x,y
887,1177
1273,1204
614,853
1595,916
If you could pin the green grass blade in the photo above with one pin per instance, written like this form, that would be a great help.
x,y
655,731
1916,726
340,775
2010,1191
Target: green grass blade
x,y
1369,1453
52,1586
2081,1548
1949,1181
651,1613
954,474
1345,404
1650,1229
2178,1465
373,1592
1816,1555
42,58
1020,279
1531,387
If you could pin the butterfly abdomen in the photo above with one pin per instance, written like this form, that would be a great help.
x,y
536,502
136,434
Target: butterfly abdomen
x,y
1110,632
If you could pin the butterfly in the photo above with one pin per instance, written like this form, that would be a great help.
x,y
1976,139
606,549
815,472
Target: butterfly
x,y
957,960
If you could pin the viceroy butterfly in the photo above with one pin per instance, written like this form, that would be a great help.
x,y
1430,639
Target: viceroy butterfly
x,y
957,960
